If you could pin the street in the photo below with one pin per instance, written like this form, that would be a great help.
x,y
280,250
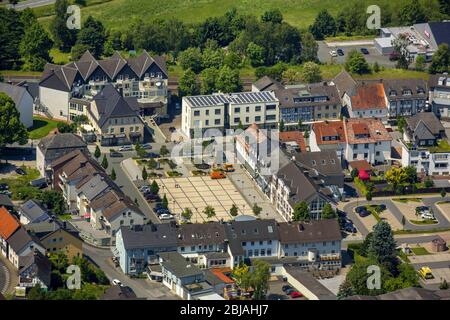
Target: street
x,y
31,4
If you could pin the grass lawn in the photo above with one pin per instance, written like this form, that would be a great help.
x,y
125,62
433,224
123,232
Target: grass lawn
x,y
65,217
20,185
435,230
394,74
41,127
442,146
423,222
406,200
420,251
12,73
59,57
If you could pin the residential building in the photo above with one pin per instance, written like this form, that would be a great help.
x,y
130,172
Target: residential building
x,y
143,77
57,236
405,97
226,111
328,135
23,102
196,239
439,94
5,201
368,101
290,186
55,146
367,139
35,269
292,141
8,225
20,244
266,83
425,145
346,87
32,212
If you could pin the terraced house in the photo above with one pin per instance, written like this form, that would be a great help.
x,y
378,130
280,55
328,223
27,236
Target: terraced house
x,y
405,97
64,91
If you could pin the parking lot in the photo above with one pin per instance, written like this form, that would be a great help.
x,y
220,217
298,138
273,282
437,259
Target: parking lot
x,y
347,46
196,193
275,291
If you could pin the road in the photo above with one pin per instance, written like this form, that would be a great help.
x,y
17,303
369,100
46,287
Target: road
x,y
142,287
31,4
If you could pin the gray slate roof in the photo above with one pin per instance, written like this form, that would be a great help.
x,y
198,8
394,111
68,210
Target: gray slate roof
x,y
311,283
345,83
19,240
178,265
429,119
33,211
422,132
5,201
325,162
314,231
61,141
15,92
201,234
153,235
398,85
266,83
42,264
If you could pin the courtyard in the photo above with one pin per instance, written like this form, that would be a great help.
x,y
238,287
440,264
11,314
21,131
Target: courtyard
x,y
196,193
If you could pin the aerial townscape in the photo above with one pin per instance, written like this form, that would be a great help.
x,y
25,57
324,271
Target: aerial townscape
x,y
224,151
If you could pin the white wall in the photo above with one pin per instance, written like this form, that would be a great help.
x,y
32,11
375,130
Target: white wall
x,y
56,101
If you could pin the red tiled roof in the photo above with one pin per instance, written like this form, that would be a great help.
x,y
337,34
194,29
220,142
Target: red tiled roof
x,y
8,224
296,136
329,129
360,128
220,273
372,128
369,96
360,165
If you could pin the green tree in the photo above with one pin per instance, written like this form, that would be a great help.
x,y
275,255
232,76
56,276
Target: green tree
x,y
54,201
256,209
92,35
113,175
396,176
234,210
188,85
104,162
256,54
191,59
310,47
345,290
358,275
328,212
34,47
301,211
376,67
365,245
354,173
240,275
228,80
411,174
411,13
443,193
144,174
36,293
369,196
291,76
78,50
401,124
165,202
429,183
233,60
274,16
324,25
63,37
212,58
154,187
64,127
151,164
382,245
97,152
444,7
401,44
356,63
440,61
163,151
11,129
187,214
208,80
311,73
209,212
420,63
259,279
406,278
281,126
240,126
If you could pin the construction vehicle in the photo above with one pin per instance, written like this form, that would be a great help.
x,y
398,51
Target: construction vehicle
x,y
217,175
425,273
228,167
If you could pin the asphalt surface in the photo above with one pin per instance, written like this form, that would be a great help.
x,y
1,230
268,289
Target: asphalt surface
x,y
31,4
4,278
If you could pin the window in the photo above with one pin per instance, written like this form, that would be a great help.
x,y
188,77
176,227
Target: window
x,y
366,145
237,110
271,117
217,121
207,112
252,243
217,111
244,244
258,119
355,155
193,248
258,108
365,155
182,249
196,113
269,252
247,109
261,243
269,242
236,120
122,129
247,119
271,107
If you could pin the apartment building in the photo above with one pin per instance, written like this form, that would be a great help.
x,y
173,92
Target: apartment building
x,y
367,139
368,101
143,77
439,94
405,97
228,111
328,135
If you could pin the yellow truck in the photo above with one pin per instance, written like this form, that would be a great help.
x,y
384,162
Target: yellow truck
x,y
425,273
228,167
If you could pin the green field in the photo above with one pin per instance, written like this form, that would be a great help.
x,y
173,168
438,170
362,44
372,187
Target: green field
x,y
41,127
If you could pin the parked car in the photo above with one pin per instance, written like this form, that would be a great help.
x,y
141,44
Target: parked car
x,y
144,188
152,155
364,213
126,148
116,282
350,228
6,192
115,154
427,216
295,294
360,209
162,211
3,186
333,53
340,52
20,171
364,51
151,197
166,216
286,287
147,146
289,291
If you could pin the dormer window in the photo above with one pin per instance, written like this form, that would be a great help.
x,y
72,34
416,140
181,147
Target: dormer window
x,y
407,92
392,93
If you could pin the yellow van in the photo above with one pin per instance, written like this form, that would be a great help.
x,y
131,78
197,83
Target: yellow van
x,y
425,273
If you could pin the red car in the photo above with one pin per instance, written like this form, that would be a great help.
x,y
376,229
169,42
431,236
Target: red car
x,y
296,294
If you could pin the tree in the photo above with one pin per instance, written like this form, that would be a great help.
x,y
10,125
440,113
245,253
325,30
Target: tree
x,y
311,73
53,200
144,174
403,222
443,193
274,16
354,173
209,212
369,196
228,80
364,249
256,54
420,63
187,84
376,67
208,80
187,214
97,152
256,209
357,277
11,129
240,126
63,37
306,134
356,63
154,188
401,124
429,183
191,58
444,7
104,162
64,127
281,125
324,25
412,13
407,277
78,50
259,279
234,210
92,35
165,202
34,47
239,274
163,151
36,293
440,61
212,58
345,290
443,285
382,245
113,175
274,72
151,164
396,176
291,76
411,174
328,212
310,47
301,211
233,60
401,44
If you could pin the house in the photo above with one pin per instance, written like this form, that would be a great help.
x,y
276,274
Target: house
x,y
115,119
345,85
292,141
8,225
32,212
57,236
138,246
308,103
367,139
22,100
5,201
405,97
425,146
328,135
35,269
32,88
20,243
64,90
226,111
323,166
368,101
290,185
439,94
196,239
55,146
315,243
266,83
